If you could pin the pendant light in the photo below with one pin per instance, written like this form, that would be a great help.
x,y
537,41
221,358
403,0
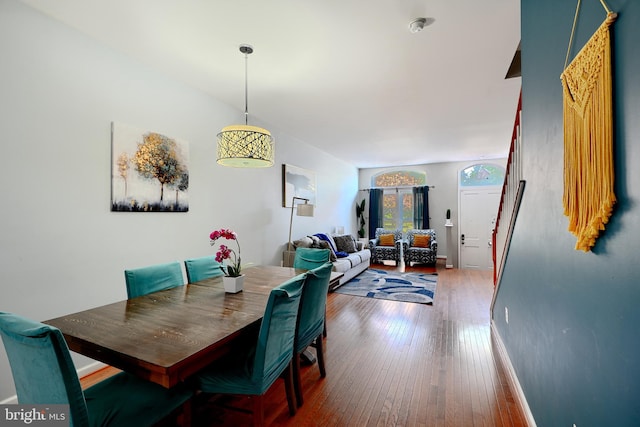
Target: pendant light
x,y
245,146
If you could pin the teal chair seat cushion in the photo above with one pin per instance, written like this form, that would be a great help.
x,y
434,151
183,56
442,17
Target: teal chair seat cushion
x,y
233,374
124,400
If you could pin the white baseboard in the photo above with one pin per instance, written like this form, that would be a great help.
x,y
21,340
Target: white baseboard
x,y
82,372
90,369
13,400
512,378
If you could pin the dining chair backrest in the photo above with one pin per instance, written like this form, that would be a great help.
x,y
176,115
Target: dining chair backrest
x,y
310,258
42,369
202,268
274,349
154,278
312,306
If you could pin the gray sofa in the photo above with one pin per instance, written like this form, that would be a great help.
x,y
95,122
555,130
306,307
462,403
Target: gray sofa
x,y
348,255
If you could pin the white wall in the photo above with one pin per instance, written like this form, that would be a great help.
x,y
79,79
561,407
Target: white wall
x,y
62,249
444,178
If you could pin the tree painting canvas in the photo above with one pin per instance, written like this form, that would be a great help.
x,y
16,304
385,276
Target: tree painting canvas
x,y
150,171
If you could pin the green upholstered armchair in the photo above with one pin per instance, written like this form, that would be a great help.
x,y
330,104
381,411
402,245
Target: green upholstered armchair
x,y
43,373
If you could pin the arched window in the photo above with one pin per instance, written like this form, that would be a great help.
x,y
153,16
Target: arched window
x,y
397,199
399,179
481,175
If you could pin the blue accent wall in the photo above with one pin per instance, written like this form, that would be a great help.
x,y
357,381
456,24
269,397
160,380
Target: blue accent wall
x,y
573,335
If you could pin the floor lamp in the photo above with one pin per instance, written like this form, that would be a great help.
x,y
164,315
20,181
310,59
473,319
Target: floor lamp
x,y
304,209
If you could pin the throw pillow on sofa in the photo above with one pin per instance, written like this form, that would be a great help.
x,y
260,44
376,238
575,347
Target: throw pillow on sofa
x,y
315,242
325,245
345,243
305,242
326,238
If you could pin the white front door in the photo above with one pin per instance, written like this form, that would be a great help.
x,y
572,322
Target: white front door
x,y
478,211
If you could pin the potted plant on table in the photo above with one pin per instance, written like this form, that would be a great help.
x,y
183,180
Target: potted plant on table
x,y
448,217
233,278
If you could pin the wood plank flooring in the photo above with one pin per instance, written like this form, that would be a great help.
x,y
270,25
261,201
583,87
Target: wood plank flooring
x,y
397,364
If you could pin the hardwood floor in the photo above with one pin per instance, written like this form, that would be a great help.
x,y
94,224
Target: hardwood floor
x,y
397,364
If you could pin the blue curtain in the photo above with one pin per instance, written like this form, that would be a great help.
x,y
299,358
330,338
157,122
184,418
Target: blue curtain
x,y
375,211
421,207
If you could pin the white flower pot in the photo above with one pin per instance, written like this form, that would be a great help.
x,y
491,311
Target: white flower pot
x,y
233,285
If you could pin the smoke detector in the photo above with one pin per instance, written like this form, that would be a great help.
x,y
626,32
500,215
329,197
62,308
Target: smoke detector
x,y
418,24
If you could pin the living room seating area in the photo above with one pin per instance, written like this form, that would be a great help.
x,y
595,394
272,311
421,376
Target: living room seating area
x,y
347,255
420,246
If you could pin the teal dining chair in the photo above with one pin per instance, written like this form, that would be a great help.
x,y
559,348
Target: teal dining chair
x,y
267,358
310,258
202,268
154,278
311,322
43,373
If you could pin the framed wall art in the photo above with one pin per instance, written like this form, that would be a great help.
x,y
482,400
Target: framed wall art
x,y
297,182
149,171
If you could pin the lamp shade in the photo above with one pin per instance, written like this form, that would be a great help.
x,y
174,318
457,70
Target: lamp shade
x,y
305,209
244,146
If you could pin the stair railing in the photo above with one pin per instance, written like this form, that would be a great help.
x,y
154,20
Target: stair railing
x,y
512,189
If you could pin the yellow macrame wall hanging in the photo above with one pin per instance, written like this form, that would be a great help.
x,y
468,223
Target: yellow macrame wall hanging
x,y
588,136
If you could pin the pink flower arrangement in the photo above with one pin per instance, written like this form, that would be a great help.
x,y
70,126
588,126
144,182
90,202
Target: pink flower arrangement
x,y
233,267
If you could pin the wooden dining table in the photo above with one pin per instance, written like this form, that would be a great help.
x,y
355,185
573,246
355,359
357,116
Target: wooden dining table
x,y
167,336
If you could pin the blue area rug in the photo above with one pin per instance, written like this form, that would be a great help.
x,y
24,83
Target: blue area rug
x,y
391,285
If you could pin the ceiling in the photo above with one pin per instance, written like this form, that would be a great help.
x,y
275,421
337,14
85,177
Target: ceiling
x,y
346,76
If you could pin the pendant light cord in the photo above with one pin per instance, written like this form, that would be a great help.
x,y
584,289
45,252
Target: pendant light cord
x,y
246,88
246,49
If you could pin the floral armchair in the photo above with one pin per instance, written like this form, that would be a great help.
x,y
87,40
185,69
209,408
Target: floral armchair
x,y
421,247
385,245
